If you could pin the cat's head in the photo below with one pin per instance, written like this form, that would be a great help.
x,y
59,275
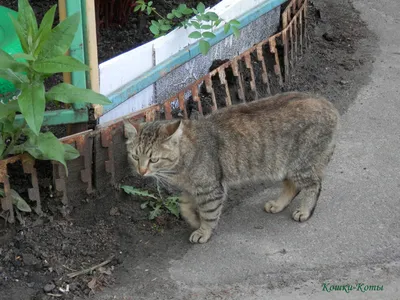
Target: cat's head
x,y
153,147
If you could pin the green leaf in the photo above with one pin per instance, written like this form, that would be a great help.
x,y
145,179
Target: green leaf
x,y
234,22
208,35
204,46
46,146
170,16
23,56
32,104
156,212
236,31
70,152
227,27
15,78
150,3
22,34
212,15
216,24
182,7
27,20
144,205
154,29
172,205
195,35
137,7
59,64
177,13
165,27
196,24
19,202
187,11
201,7
137,192
206,27
60,38
45,29
155,23
9,108
205,17
67,93
8,62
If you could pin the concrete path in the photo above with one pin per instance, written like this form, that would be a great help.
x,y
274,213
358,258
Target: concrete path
x,y
354,235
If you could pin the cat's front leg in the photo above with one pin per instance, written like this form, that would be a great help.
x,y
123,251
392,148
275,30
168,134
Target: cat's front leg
x,y
209,202
188,209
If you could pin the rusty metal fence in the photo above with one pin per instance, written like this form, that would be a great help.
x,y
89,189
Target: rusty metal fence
x,y
260,71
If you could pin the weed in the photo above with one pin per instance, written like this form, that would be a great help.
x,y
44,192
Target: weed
x,y
204,22
156,205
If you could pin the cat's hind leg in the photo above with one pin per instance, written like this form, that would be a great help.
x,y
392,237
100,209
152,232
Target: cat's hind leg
x,y
310,189
289,192
188,208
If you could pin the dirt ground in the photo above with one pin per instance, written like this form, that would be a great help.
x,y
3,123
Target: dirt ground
x,y
35,259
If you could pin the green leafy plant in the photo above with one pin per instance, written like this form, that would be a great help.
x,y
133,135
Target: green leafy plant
x,y
204,22
19,203
156,205
44,48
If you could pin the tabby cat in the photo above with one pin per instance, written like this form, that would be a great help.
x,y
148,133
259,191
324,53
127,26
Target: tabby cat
x,y
288,137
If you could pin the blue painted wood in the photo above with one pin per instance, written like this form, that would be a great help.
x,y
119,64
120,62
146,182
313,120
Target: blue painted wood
x,y
151,76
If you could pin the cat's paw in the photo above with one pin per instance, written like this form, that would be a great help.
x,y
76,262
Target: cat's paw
x,y
273,206
301,215
200,236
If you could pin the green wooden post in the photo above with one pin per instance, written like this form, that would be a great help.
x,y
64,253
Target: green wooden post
x,y
77,50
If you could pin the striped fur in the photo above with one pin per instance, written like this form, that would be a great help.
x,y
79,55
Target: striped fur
x,y
288,137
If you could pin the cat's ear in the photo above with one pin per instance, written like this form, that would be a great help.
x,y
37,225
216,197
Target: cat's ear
x,y
173,130
130,130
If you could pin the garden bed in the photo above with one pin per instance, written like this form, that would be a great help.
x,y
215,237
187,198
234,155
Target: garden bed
x,y
39,256
118,39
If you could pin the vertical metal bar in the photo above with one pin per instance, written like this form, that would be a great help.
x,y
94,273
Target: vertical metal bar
x,y
210,90
182,106
222,79
6,201
253,79
107,142
236,73
301,31
28,164
296,47
196,98
60,182
168,114
286,54
264,75
277,66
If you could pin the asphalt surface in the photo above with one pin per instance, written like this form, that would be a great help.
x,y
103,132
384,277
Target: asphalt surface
x,y
353,237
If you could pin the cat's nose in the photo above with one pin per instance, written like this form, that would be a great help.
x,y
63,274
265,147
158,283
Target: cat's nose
x,y
143,171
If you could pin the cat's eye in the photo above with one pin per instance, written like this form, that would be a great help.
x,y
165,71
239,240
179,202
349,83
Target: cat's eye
x,y
154,160
135,157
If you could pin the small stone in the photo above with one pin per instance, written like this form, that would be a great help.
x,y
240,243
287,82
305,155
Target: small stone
x,y
31,284
114,211
328,37
49,287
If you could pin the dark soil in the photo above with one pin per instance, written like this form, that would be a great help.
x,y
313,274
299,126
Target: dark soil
x,y
36,258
